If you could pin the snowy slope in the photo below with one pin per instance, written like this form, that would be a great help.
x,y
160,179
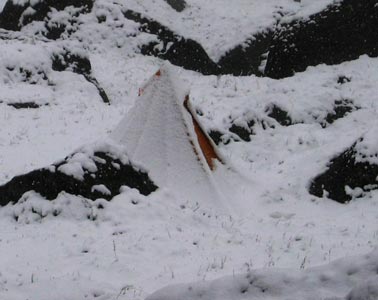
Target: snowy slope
x,y
218,26
136,244
75,248
343,279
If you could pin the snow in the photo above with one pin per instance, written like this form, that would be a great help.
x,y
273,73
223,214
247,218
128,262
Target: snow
x,y
75,248
159,134
84,158
102,189
2,4
306,147
218,29
343,279
366,147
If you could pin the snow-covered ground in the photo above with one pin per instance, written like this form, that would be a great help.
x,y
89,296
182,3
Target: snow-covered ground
x,y
73,248
358,276
219,26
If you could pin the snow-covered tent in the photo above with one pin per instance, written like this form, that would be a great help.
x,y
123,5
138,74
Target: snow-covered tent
x,y
162,134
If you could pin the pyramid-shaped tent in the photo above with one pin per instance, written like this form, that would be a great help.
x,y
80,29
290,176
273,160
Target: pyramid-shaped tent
x,y
162,134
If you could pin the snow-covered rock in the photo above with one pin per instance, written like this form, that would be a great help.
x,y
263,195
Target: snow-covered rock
x,y
17,14
342,32
351,174
94,171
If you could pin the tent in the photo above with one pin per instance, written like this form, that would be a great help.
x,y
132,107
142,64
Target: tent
x,y
161,133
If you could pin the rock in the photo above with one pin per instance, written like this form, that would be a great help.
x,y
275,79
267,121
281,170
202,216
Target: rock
x,y
346,173
238,130
190,55
179,51
280,115
15,16
150,26
242,132
28,74
343,79
24,105
66,60
342,32
216,136
246,59
178,5
341,109
11,15
78,64
108,172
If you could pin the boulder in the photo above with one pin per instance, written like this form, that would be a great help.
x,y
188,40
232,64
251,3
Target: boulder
x,y
248,58
103,177
14,16
342,32
177,5
349,175
190,55
178,50
79,64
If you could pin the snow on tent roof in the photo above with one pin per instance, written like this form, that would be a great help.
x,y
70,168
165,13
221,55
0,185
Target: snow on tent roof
x,y
161,133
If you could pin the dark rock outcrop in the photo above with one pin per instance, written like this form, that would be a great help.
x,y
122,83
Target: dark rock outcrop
x,y
242,132
345,171
27,74
216,136
281,116
49,182
342,32
178,5
340,110
14,16
343,79
80,65
179,51
190,55
237,131
25,105
11,15
76,63
246,59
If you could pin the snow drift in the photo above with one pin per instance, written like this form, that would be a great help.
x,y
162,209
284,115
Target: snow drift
x,y
349,279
